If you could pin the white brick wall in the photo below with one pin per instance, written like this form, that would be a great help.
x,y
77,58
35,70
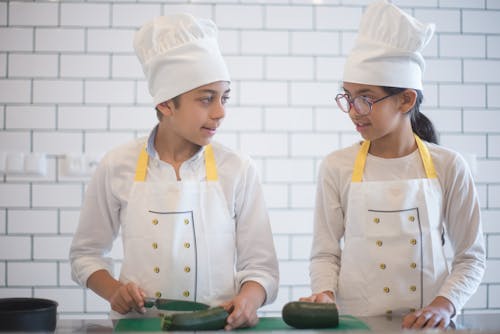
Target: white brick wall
x,y
71,84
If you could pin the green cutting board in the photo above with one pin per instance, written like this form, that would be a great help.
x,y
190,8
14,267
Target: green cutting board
x,y
346,322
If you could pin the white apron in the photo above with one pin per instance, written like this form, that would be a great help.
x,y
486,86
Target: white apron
x,y
179,238
393,259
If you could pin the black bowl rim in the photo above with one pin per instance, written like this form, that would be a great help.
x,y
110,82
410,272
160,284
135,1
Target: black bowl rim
x,y
51,304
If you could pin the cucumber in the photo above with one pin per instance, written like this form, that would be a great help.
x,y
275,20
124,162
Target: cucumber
x,y
310,315
205,320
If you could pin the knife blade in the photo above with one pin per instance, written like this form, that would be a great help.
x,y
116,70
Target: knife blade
x,y
174,304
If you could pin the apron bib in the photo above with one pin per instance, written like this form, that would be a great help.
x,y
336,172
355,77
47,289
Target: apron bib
x,y
179,238
393,259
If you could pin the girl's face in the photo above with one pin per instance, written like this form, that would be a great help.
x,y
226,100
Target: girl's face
x,y
198,113
385,116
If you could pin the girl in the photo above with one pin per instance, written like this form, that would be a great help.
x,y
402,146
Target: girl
x,y
393,198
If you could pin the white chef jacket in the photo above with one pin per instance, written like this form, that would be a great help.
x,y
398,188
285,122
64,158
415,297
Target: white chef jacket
x,y
105,206
461,215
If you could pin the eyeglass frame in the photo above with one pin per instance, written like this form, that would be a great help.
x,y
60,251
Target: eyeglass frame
x,y
364,98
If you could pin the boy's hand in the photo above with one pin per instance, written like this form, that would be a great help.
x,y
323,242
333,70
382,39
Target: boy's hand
x,y
127,297
242,309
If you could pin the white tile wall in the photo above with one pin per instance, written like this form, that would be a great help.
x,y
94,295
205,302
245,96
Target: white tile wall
x,y
57,142
239,16
14,195
3,13
31,221
31,274
57,39
15,248
82,117
16,39
126,15
32,65
451,46
15,91
85,66
475,21
37,14
109,40
71,84
494,146
30,117
288,17
88,15
57,91
493,46
132,118
241,119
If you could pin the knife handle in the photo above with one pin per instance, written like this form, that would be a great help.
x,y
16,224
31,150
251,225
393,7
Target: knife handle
x,y
149,302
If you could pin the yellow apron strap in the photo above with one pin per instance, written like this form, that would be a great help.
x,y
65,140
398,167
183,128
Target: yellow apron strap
x,y
430,171
359,165
210,167
142,166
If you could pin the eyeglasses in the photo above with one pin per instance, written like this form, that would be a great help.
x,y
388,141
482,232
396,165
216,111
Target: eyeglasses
x,y
362,104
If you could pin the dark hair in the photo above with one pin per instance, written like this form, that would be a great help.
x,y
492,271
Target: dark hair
x,y
420,124
176,100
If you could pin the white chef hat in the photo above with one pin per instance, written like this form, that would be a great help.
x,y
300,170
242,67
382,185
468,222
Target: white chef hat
x,y
179,53
387,51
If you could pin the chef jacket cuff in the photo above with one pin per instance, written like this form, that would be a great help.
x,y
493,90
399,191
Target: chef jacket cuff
x,y
455,301
269,283
84,267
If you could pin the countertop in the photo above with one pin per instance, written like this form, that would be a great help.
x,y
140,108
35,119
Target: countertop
x,y
469,323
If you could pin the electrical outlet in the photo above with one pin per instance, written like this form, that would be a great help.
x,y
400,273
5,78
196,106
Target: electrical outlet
x,y
35,164
15,163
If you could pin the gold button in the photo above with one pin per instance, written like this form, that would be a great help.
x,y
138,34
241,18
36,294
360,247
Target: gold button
x,y
413,242
186,221
185,293
187,269
413,288
413,265
158,294
155,245
411,218
376,220
379,243
155,221
187,245
387,290
382,266
157,270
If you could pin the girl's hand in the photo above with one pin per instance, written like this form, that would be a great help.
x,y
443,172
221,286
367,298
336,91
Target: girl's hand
x,y
321,297
128,297
436,315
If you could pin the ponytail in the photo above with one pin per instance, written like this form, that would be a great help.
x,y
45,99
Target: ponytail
x,y
420,124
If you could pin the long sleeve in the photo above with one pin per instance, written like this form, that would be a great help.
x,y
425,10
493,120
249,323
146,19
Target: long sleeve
x,y
328,231
463,228
256,255
97,228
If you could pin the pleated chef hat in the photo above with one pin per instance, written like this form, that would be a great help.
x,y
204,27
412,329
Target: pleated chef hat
x,y
387,51
179,53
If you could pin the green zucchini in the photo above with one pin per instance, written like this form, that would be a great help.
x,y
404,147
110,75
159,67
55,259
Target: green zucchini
x,y
210,319
310,315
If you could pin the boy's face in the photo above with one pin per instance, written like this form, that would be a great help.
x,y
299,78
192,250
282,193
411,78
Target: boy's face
x,y
198,113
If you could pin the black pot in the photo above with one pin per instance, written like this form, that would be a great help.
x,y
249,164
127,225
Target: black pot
x,y
28,314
